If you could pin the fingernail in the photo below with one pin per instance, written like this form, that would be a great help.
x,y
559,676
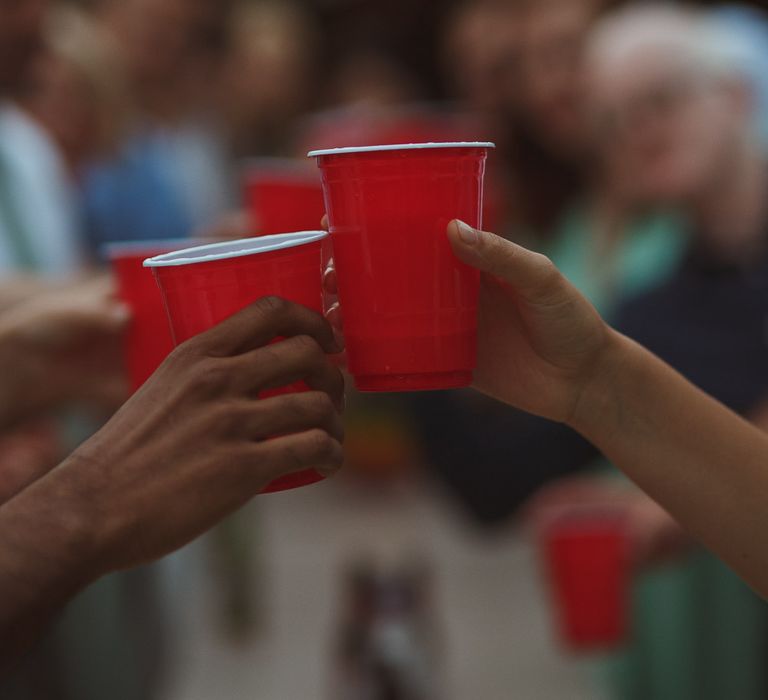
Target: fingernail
x,y
467,234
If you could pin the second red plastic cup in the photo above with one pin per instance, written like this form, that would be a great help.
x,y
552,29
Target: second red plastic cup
x,y
409,305
203,286
282,195
148,338
586,557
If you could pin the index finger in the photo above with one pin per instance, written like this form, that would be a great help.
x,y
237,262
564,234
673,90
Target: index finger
x,y
263,321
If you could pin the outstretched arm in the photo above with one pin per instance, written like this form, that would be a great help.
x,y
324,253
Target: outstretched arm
x,y
191,446
543,348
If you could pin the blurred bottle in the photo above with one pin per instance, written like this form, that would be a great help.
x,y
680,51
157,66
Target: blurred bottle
x,y
387,645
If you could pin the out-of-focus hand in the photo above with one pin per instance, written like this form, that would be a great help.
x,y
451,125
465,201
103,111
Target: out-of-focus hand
x,y
654,536
19,288
195,442
64,346
540,342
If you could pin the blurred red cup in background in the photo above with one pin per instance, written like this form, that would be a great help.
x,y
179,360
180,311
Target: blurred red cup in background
x,y
147,338
586,557
409,305
282,195
202,286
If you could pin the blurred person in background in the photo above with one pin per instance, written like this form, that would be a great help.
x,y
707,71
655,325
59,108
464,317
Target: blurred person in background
x,y
518,65
673,101
48,131
80,94
562,199
269,77
171,52
679,151
32,170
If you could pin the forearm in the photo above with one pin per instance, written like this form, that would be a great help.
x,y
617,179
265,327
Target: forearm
x,y
703,463
44,561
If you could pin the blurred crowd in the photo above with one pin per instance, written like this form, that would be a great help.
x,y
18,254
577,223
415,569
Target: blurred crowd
x,y
631,145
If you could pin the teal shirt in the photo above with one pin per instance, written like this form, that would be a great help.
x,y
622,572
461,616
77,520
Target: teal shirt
x,y
647,254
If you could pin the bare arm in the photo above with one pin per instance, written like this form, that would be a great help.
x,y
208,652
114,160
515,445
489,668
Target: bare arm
x,y
192,445
542,347
702,462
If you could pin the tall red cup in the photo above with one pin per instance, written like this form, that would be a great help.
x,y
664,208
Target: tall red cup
x,y
282,195
147,338
202,286
586,557
409,305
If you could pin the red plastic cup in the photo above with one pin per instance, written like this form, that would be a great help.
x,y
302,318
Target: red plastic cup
x,y
410,306
586,557
282,195
202,286
147,340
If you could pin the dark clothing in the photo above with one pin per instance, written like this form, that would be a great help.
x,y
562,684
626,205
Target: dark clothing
x,y
710,322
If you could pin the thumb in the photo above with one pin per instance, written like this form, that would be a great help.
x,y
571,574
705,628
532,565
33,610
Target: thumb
x,y
531,274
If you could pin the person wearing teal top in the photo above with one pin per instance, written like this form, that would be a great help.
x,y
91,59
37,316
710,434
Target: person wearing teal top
x,y
643,254
698,632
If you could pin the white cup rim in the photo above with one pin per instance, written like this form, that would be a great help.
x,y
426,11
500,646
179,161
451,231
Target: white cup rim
x,y
235,249
400,147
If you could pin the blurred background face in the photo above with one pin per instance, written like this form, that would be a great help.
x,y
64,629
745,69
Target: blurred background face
x,y
269,65
158,35
549,86
21,24
482,44
666,125
61,99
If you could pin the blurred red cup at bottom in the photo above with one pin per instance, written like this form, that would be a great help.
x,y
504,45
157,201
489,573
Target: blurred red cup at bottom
x,y
202,286
586,559
147,338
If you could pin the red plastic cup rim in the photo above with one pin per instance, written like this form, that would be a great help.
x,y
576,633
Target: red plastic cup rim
x,y
400,147
235,249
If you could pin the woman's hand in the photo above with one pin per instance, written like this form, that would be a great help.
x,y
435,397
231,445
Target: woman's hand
x,y
540,342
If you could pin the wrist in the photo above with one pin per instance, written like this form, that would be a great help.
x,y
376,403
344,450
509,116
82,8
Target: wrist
x,y
50,540
598,408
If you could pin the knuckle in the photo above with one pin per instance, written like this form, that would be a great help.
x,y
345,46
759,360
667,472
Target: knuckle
x,y
546,265
550,275
308,348
271,305
210,376
218,418
187,353
318,405
321,445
